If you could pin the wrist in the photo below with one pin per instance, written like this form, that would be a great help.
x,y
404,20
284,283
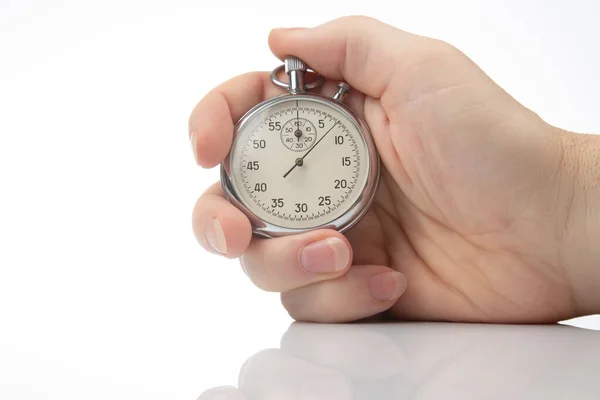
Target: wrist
x,y
579,187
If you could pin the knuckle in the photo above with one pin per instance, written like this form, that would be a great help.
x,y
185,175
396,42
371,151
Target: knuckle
x,y
199,210
357,20
192,118
440,50
213,190
256,273
332,306
294,307
319,304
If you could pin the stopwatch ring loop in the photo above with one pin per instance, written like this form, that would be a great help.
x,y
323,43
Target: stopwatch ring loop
x,y
285,85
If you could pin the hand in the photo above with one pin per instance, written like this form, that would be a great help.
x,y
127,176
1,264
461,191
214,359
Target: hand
x,y
479,209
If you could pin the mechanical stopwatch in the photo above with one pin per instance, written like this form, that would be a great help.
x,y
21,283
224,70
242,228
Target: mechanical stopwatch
x,y
301,161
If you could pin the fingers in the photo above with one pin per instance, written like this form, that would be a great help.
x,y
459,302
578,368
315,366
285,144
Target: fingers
x,y
363,51
312,270
277,265
219,226
362,292
286,263
359,50
211,122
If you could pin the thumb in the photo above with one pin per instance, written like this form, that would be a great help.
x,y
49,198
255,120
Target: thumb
x,y
359,50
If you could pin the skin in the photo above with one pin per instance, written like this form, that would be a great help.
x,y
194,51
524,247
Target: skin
x,y
485,212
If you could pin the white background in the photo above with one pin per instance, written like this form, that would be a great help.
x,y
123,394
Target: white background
x,y
104,292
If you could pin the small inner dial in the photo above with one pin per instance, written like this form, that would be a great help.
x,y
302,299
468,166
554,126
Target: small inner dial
x,y
298,134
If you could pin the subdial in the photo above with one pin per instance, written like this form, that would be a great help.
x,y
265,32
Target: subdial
x,y
298,134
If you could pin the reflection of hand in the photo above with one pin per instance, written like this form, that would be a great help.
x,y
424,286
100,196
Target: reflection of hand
x,y
222,393
433,361
482,208
316,364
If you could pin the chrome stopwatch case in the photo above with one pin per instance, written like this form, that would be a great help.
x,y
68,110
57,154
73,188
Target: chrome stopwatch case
x,y
301,161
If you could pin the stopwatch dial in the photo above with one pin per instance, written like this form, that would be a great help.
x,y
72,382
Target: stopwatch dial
x,y
310,186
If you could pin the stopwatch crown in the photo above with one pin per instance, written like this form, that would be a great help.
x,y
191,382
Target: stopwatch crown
x,y
294,64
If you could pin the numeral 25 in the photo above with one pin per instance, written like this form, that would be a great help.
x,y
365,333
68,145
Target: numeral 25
x,y
324,200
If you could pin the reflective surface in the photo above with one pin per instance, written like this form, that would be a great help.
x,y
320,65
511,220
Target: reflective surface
x,y
422,361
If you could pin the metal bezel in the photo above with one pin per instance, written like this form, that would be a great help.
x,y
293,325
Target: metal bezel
x,y
344,222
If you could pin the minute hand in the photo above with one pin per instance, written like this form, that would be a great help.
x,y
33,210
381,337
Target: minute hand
x,y
309,150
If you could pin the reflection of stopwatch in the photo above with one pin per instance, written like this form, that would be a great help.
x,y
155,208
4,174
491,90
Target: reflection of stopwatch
x,y
301,161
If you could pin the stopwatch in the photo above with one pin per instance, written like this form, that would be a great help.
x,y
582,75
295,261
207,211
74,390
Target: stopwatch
x,y
301,161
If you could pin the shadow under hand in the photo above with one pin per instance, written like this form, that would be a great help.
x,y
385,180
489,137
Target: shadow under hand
x,y
422,361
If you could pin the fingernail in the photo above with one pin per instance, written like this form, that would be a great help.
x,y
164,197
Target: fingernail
x,y
215,236
325,256
387,286
193,141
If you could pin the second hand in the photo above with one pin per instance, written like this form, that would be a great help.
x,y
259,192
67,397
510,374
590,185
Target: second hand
x,y
300,161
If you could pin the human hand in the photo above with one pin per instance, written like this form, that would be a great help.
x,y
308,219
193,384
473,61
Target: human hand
x,y
479,209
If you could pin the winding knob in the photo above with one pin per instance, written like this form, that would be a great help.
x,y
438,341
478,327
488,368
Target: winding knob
x,y
294,64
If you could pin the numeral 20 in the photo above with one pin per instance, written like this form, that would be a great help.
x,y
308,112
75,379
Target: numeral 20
x,y
340,184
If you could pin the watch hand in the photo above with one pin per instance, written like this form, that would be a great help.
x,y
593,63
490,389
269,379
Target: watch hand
x,y
300,161
298,122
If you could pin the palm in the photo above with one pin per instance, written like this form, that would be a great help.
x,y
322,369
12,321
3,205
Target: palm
x,y
445,214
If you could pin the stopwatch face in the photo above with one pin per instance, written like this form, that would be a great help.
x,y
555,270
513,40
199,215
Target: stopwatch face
x,y
300,162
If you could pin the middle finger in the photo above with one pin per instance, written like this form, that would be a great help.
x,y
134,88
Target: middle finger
x,y
286,263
